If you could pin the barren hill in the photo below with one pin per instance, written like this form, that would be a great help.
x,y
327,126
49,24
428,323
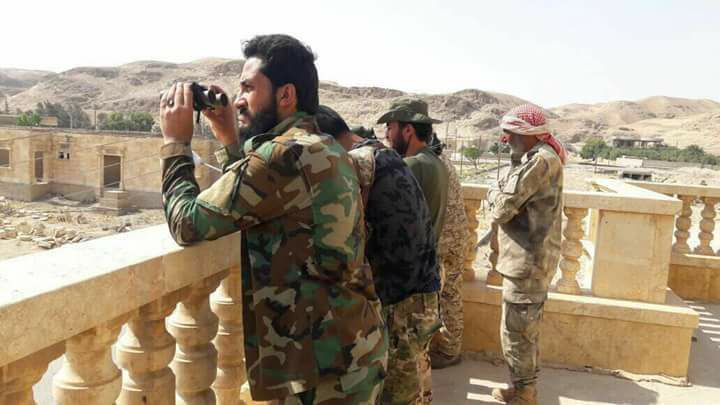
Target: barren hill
x,y
13,81
677,120
468,113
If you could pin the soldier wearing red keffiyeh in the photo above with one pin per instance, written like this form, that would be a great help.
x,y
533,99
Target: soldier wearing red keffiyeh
x,y
527,210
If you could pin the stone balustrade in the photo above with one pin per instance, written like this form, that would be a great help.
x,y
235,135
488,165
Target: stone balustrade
x,y
695,265
610,306
690,196
628,238
172,315
182,342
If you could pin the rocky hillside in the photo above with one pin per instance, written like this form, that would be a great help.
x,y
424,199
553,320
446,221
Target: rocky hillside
x,y
678,121
13,81
468,113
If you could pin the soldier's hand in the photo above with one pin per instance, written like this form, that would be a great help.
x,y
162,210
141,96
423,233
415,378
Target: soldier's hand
x,y
223,120
176,113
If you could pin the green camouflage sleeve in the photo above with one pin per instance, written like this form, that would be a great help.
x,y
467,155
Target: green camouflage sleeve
x,y
519,187
249,193
229,154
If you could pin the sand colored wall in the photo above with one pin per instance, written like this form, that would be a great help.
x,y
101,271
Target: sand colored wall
x,y
588,331
695,277
81,176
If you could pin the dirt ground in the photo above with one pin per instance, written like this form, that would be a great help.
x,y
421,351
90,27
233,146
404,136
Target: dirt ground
x,y
28,227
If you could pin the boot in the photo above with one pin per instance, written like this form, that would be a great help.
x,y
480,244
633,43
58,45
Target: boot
x,y
526,395
440,360
504,395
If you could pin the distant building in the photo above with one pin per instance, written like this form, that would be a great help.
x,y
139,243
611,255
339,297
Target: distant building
x,y
631,142
635,174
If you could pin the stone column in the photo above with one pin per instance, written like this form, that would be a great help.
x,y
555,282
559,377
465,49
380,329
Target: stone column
x,y
682,225
226,303
88,374
471,208
144,352
18,378
493,277
571,250
707,226
194,326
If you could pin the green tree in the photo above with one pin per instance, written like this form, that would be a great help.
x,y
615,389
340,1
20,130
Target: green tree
x,y
499,147
116,121
28,119
593,148
472,153
140,121
68,116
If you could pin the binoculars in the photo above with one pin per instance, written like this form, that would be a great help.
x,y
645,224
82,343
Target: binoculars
x,y
204,98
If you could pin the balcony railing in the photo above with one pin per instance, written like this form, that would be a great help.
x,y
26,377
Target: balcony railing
x,y
626,231
182,306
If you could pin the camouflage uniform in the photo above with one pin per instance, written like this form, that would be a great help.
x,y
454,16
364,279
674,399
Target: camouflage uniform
x,y
402,253
433,179
451,250
310,313
527,206
411,324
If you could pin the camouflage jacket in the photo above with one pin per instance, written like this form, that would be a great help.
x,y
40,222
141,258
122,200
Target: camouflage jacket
x,y
310,312
527,206
400,247
455,232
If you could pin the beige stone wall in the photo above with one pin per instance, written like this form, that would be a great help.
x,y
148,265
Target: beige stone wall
x,y
81,176
584,331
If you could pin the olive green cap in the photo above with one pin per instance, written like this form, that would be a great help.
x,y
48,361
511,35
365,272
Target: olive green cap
x,y
408,109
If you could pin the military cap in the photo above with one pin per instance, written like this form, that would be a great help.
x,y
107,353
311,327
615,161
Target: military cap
x,y
408,109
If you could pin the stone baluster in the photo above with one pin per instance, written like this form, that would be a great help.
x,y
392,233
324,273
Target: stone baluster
x,y
144,353
194,326
682,225
471,209
707,226
18,378
571,250
88,374
226,303
493,277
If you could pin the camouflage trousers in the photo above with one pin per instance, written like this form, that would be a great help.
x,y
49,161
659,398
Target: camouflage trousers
x,y
522,311
365,392
411,324
448,340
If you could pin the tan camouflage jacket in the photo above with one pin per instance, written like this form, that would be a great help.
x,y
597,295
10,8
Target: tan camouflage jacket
x,y
455,232
310,312
527,206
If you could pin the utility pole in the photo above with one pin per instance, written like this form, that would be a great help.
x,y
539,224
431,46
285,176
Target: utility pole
x,y
462,158
95,116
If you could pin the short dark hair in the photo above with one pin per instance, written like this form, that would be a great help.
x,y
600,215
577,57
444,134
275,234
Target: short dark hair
x,y
422,131
330,122
286,60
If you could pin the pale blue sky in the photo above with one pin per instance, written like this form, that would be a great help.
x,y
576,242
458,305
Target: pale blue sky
x,y
550,52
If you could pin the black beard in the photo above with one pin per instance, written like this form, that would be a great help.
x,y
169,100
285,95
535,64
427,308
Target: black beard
x,y
400,146
260,122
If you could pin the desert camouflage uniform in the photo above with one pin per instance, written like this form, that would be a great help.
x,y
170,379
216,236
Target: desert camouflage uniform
x,y
527,206
310,313
402,253
451,250
411,324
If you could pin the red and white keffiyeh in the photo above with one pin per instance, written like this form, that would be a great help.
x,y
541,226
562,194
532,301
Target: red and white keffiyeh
x,y
529,120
